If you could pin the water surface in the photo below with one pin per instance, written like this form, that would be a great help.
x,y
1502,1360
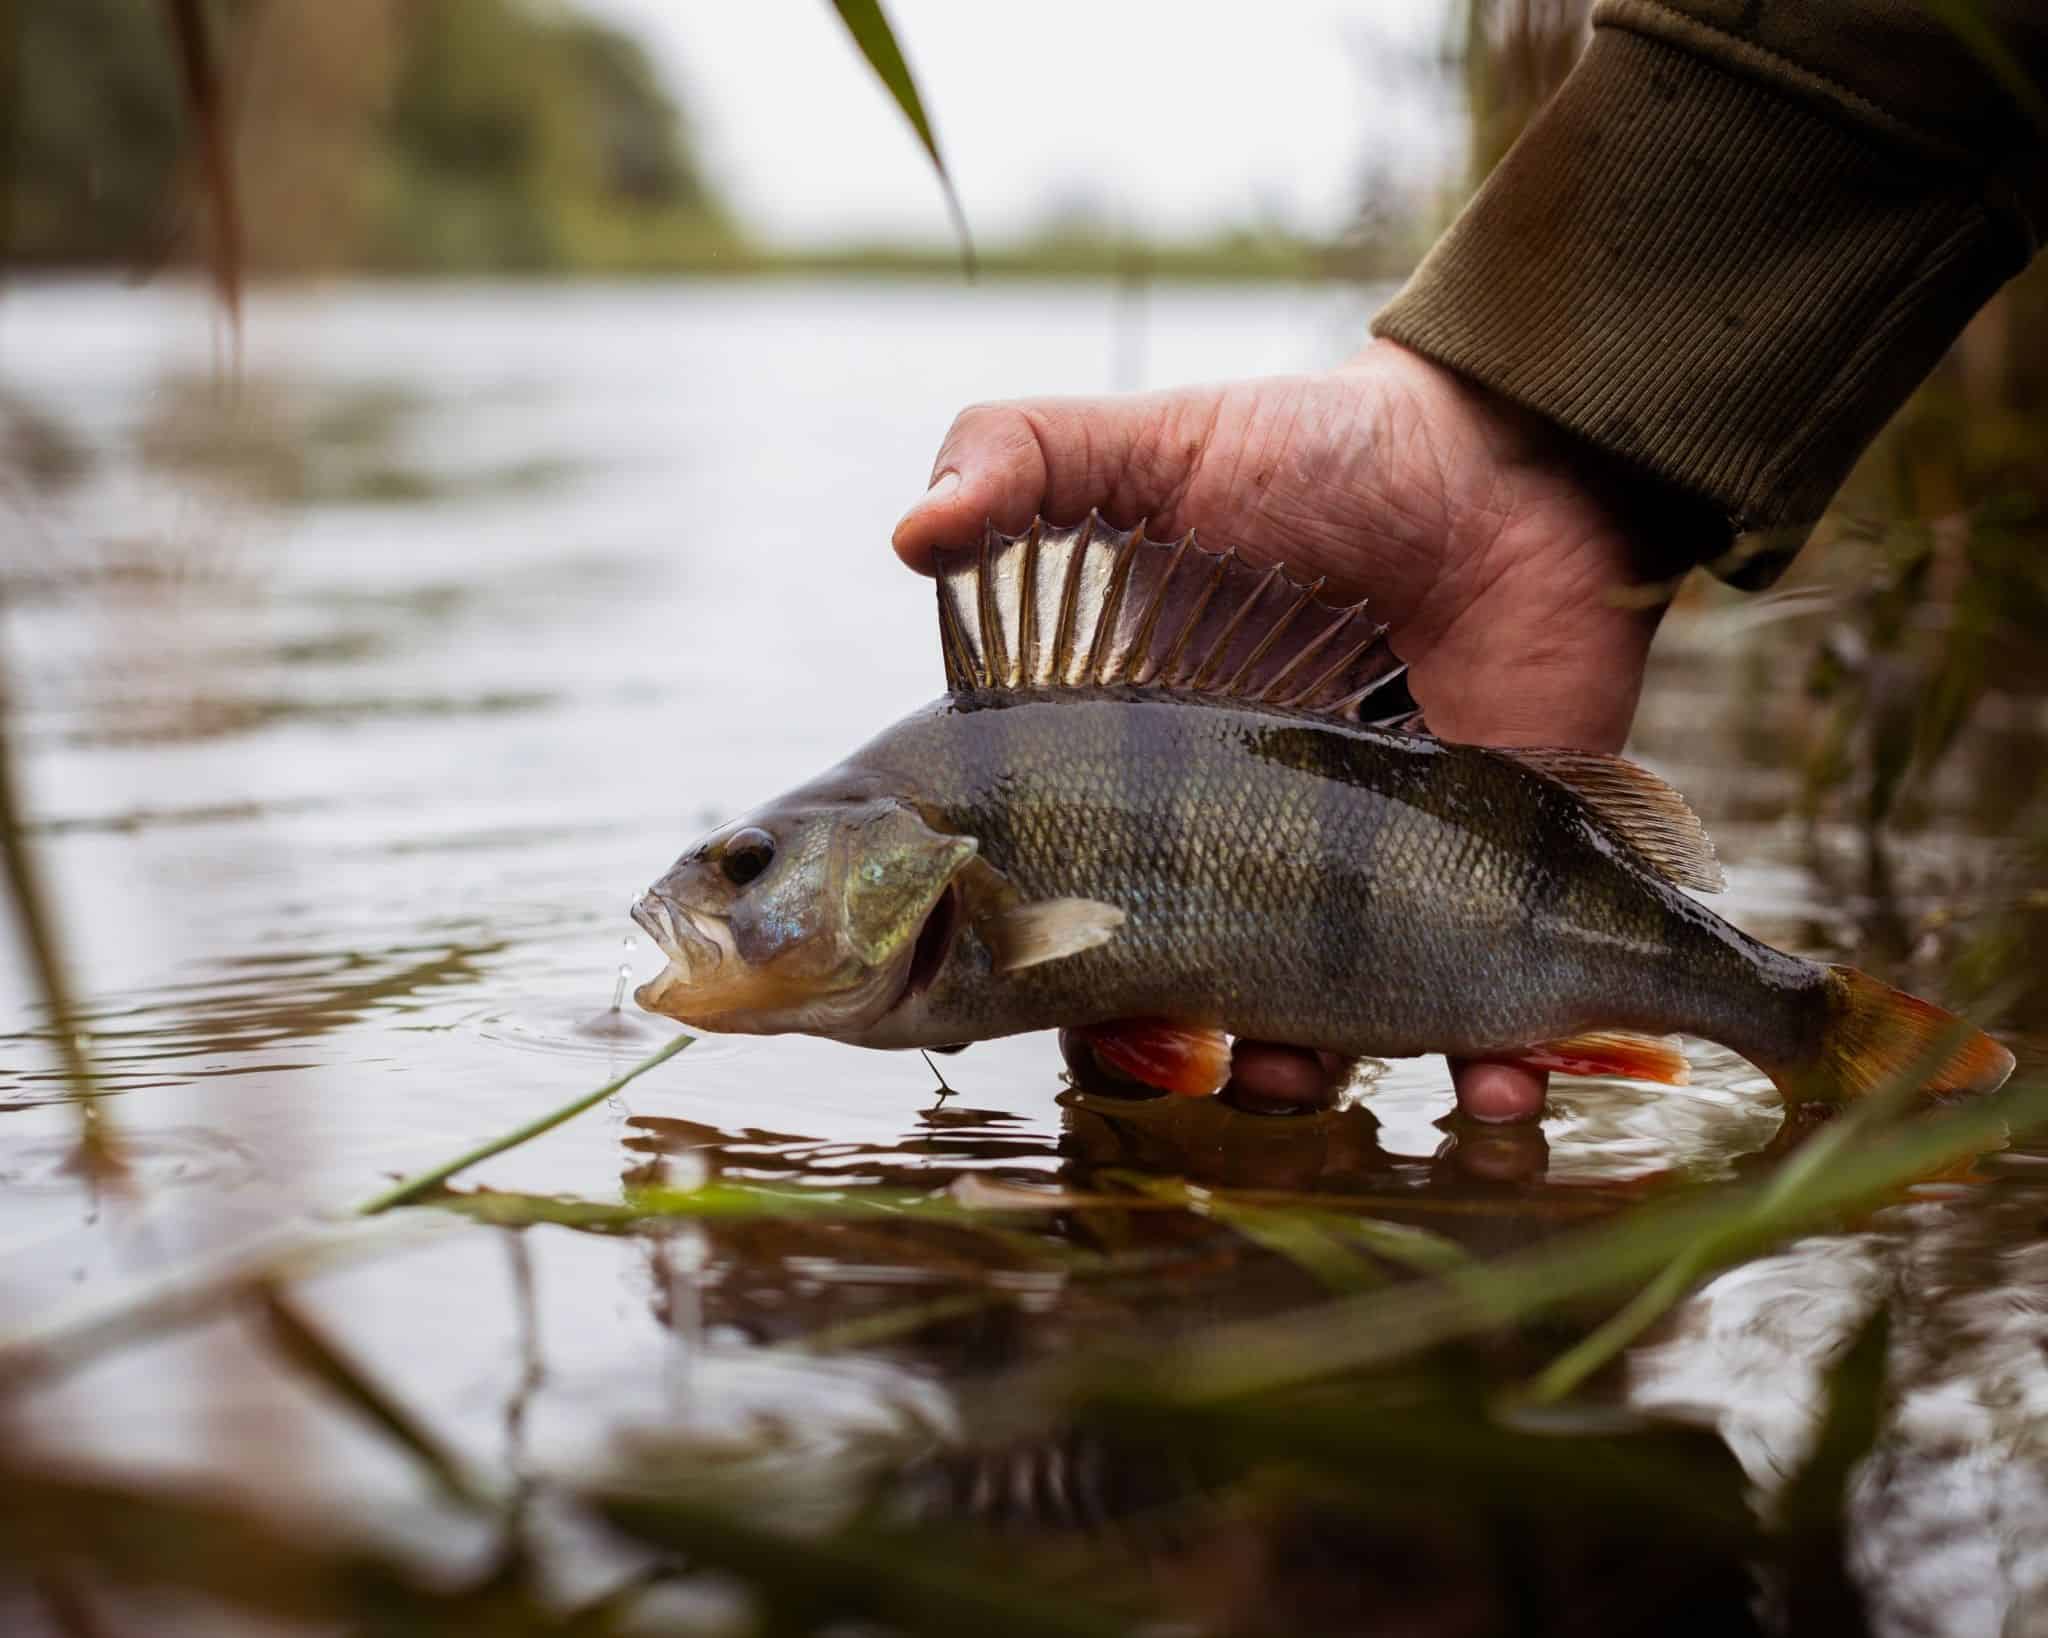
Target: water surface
x,y
370,664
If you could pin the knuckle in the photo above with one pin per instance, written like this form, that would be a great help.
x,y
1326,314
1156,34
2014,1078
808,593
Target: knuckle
x,y
988,421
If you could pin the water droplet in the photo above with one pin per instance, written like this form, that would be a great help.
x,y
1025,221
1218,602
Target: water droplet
x,y
626,948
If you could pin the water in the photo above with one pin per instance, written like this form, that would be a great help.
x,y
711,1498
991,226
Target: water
x,y
363,687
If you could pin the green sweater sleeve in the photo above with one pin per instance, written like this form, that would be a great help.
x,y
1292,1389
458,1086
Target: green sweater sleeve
x,y
1741,233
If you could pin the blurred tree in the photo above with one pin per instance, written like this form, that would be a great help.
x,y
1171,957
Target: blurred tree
x,y
1516,53
93,128
443,135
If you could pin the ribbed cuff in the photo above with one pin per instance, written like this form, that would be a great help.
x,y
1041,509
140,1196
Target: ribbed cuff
x,y
1715,282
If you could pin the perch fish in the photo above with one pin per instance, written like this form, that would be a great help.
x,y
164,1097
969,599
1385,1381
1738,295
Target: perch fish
x,y
1160,801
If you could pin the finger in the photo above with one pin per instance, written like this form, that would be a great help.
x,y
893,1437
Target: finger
x,y
1267,1074
1499,1154
1006,463
1498,1092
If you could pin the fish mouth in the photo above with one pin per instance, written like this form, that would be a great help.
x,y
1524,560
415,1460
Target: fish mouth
x,y
693,950
700,986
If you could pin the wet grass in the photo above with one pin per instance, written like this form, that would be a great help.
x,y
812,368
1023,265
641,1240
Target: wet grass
x,y
1158,1372
1180,1399
1386,1391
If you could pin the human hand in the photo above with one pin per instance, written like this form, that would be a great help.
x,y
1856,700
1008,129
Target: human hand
x,y
1496,555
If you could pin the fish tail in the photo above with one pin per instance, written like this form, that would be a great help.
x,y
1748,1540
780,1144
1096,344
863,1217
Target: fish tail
x,y
1872,1034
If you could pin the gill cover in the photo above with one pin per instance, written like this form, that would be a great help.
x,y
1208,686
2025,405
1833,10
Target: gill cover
x,y
895,868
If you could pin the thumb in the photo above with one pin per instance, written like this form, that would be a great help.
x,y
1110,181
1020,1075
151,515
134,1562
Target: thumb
x,y
1006,463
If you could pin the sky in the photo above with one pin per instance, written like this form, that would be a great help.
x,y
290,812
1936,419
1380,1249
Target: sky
x,y
1163,118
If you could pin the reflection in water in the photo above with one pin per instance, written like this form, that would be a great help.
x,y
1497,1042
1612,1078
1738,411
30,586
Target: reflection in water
x,y
1226,1561
258,1003
1950,1515
191,1158
576,1031
360,707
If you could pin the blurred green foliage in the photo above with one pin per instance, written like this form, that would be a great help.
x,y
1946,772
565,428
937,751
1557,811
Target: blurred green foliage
x,y
457,136
520,141
95,128
437,135
1924,681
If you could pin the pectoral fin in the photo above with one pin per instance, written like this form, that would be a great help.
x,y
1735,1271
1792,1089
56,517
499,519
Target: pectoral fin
x,y
1605,1052
1029,935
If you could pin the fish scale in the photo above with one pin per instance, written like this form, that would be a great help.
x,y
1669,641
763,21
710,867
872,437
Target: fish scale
x,y
1157,794
1275,895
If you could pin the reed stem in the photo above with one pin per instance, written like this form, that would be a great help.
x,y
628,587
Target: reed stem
x,y
409,1190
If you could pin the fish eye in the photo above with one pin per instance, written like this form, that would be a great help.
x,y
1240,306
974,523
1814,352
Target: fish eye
x,y
746,855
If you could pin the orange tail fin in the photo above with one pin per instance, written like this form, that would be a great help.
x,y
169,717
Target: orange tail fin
x,y
1875,1033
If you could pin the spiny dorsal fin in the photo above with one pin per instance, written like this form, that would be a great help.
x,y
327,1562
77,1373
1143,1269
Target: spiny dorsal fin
x,y
1092,606
1650,815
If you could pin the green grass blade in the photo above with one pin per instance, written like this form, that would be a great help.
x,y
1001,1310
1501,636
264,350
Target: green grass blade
x,y
869,26
1427,1443
895,1324
412,1188
1302,1238
1850,1421
925,1583
1305,1241
1796,1175
243,1557
1811,1511
1376,1328
311,1351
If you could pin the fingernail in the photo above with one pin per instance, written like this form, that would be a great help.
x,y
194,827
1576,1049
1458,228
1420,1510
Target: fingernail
x,y
943,488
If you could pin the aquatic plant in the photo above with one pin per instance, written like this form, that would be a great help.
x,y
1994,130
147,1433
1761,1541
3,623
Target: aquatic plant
x,y
1369,1398
1177,1390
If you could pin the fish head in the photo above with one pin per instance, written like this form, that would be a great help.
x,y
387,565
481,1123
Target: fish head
x,y
814,915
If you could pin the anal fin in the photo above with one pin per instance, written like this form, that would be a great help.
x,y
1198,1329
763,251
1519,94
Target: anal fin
x,y
1605,1052
1192,1060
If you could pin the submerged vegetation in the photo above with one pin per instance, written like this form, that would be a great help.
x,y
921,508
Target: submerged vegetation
x,y
1908,639
1389,1395
1195,1371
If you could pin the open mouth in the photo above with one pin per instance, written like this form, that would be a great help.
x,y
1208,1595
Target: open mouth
x,y
692,985
692,956
657,920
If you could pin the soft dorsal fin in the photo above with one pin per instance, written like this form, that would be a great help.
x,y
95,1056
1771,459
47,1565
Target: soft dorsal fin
x,y
1650,815
1092,606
